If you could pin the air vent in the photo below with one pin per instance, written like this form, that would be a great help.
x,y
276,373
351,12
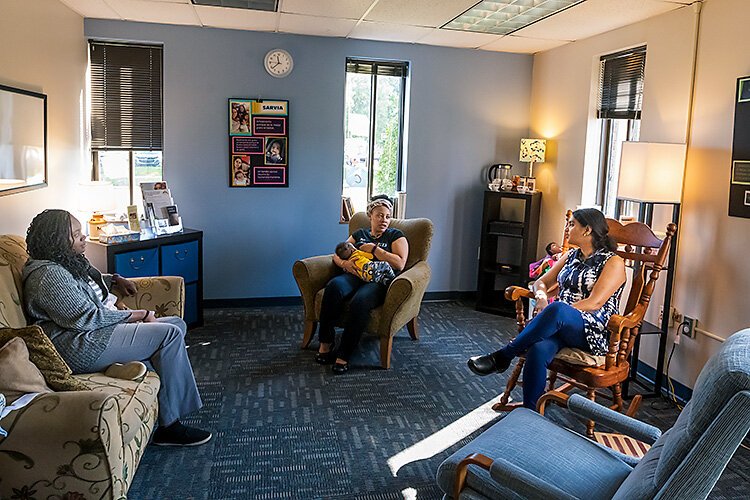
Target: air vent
x,y
267,5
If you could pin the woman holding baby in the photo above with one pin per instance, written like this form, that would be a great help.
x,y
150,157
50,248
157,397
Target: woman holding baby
x,y
385,244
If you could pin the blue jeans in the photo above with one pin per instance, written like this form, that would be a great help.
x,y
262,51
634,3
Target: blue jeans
x,y
558,325
160,345
363,297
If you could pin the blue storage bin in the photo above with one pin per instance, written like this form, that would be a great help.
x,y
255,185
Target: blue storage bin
x,y
180,260
137,264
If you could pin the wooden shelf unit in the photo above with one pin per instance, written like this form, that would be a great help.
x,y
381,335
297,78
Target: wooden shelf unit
x,y
510,229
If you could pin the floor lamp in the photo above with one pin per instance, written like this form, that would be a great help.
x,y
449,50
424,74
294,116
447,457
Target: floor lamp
x,y
651,174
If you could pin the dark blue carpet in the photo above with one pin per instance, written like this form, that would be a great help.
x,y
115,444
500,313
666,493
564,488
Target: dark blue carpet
x,y
285,427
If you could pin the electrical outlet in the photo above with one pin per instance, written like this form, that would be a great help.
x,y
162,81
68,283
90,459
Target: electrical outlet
x,y
688,326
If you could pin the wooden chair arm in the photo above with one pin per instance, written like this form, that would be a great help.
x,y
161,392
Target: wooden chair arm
x,y
617,323
557,397
514,293
462,470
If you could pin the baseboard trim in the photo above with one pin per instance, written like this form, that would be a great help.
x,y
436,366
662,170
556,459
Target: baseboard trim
x,y
439,296
682,392
295,301
252,302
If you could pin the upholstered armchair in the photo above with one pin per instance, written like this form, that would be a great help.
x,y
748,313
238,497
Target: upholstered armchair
x,y
525,455
404,296
84,440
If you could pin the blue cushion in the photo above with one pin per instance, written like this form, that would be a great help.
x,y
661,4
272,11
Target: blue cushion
x,y
725,374
641,483
561,457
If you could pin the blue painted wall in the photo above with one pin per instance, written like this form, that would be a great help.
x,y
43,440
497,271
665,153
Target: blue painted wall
x,y
468,109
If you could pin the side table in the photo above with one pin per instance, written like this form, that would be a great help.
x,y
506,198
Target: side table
x,y
179,254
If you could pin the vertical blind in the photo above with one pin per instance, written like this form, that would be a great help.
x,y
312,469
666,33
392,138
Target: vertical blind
x,y
383,68
621,84
126,96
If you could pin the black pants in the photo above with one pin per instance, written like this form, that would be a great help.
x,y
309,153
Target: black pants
x,y
363,297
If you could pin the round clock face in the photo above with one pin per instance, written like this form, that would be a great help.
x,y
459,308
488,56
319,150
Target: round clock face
x,y
278,63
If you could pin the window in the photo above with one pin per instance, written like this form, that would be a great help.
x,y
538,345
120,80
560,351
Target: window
x,y
619,109
373,129
126,116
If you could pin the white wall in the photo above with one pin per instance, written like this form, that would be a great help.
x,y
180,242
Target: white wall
x,y
43,49
711,277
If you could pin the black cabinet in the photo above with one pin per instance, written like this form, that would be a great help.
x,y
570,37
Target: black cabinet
x,y
510,228
179,254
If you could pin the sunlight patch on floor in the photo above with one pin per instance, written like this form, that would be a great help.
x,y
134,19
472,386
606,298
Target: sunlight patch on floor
x,y
409,494
444,438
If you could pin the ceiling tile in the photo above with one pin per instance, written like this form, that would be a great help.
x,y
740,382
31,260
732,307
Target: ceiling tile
x,y
155,11
317,26
389,32
521,45
92,9
239,19
462,39
345,9
432,13
593,17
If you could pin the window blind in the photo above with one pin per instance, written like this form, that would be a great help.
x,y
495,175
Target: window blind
x,y
621,84
385,68
126,96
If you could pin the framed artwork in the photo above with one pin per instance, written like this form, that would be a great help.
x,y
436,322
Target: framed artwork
x,y
258,143
739,175
743,94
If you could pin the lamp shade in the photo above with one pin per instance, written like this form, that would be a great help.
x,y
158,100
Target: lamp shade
x,y
651,172
96,196
533,150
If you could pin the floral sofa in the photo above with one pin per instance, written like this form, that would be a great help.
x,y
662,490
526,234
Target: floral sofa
x,y
76,444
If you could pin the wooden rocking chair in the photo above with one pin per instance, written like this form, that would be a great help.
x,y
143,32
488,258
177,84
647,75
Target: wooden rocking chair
x,y
641,248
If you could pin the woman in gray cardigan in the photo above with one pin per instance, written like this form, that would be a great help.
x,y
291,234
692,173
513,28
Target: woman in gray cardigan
x,y
71,301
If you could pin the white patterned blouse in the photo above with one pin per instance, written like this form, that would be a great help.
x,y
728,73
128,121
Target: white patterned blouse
x,y
576,280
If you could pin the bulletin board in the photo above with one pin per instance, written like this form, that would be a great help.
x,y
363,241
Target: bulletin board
x,y
739,187
258,143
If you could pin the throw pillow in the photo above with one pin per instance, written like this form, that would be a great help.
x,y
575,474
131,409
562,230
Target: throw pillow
x,y
579,357
18,375
43,354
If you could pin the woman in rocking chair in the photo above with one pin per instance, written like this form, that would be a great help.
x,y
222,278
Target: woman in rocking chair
x,y
590,278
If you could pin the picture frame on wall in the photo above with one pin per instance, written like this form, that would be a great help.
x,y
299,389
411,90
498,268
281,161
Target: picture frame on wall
x,y
743,94
239,116
258,143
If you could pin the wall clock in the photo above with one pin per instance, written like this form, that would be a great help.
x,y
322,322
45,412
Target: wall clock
x,y
278,63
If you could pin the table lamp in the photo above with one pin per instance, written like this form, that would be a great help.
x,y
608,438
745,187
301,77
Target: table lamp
x,y
532,150
96,197
651,172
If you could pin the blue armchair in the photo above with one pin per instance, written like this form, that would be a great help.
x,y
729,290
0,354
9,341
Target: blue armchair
x,y
532,457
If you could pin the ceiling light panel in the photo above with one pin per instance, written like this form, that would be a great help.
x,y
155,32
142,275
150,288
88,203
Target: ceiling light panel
x,y
501,17
268,5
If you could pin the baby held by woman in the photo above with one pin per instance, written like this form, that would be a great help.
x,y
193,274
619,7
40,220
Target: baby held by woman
x,y
367,269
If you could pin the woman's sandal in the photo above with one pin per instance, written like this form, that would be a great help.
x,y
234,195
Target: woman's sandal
x,y
339,368
325,358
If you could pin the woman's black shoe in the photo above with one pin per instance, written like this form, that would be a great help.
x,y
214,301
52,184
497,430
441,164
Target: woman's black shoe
x,y
178,434
339,368
325,358
489,363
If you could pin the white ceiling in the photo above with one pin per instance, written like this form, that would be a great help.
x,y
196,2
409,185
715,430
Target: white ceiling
x,y
410,21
